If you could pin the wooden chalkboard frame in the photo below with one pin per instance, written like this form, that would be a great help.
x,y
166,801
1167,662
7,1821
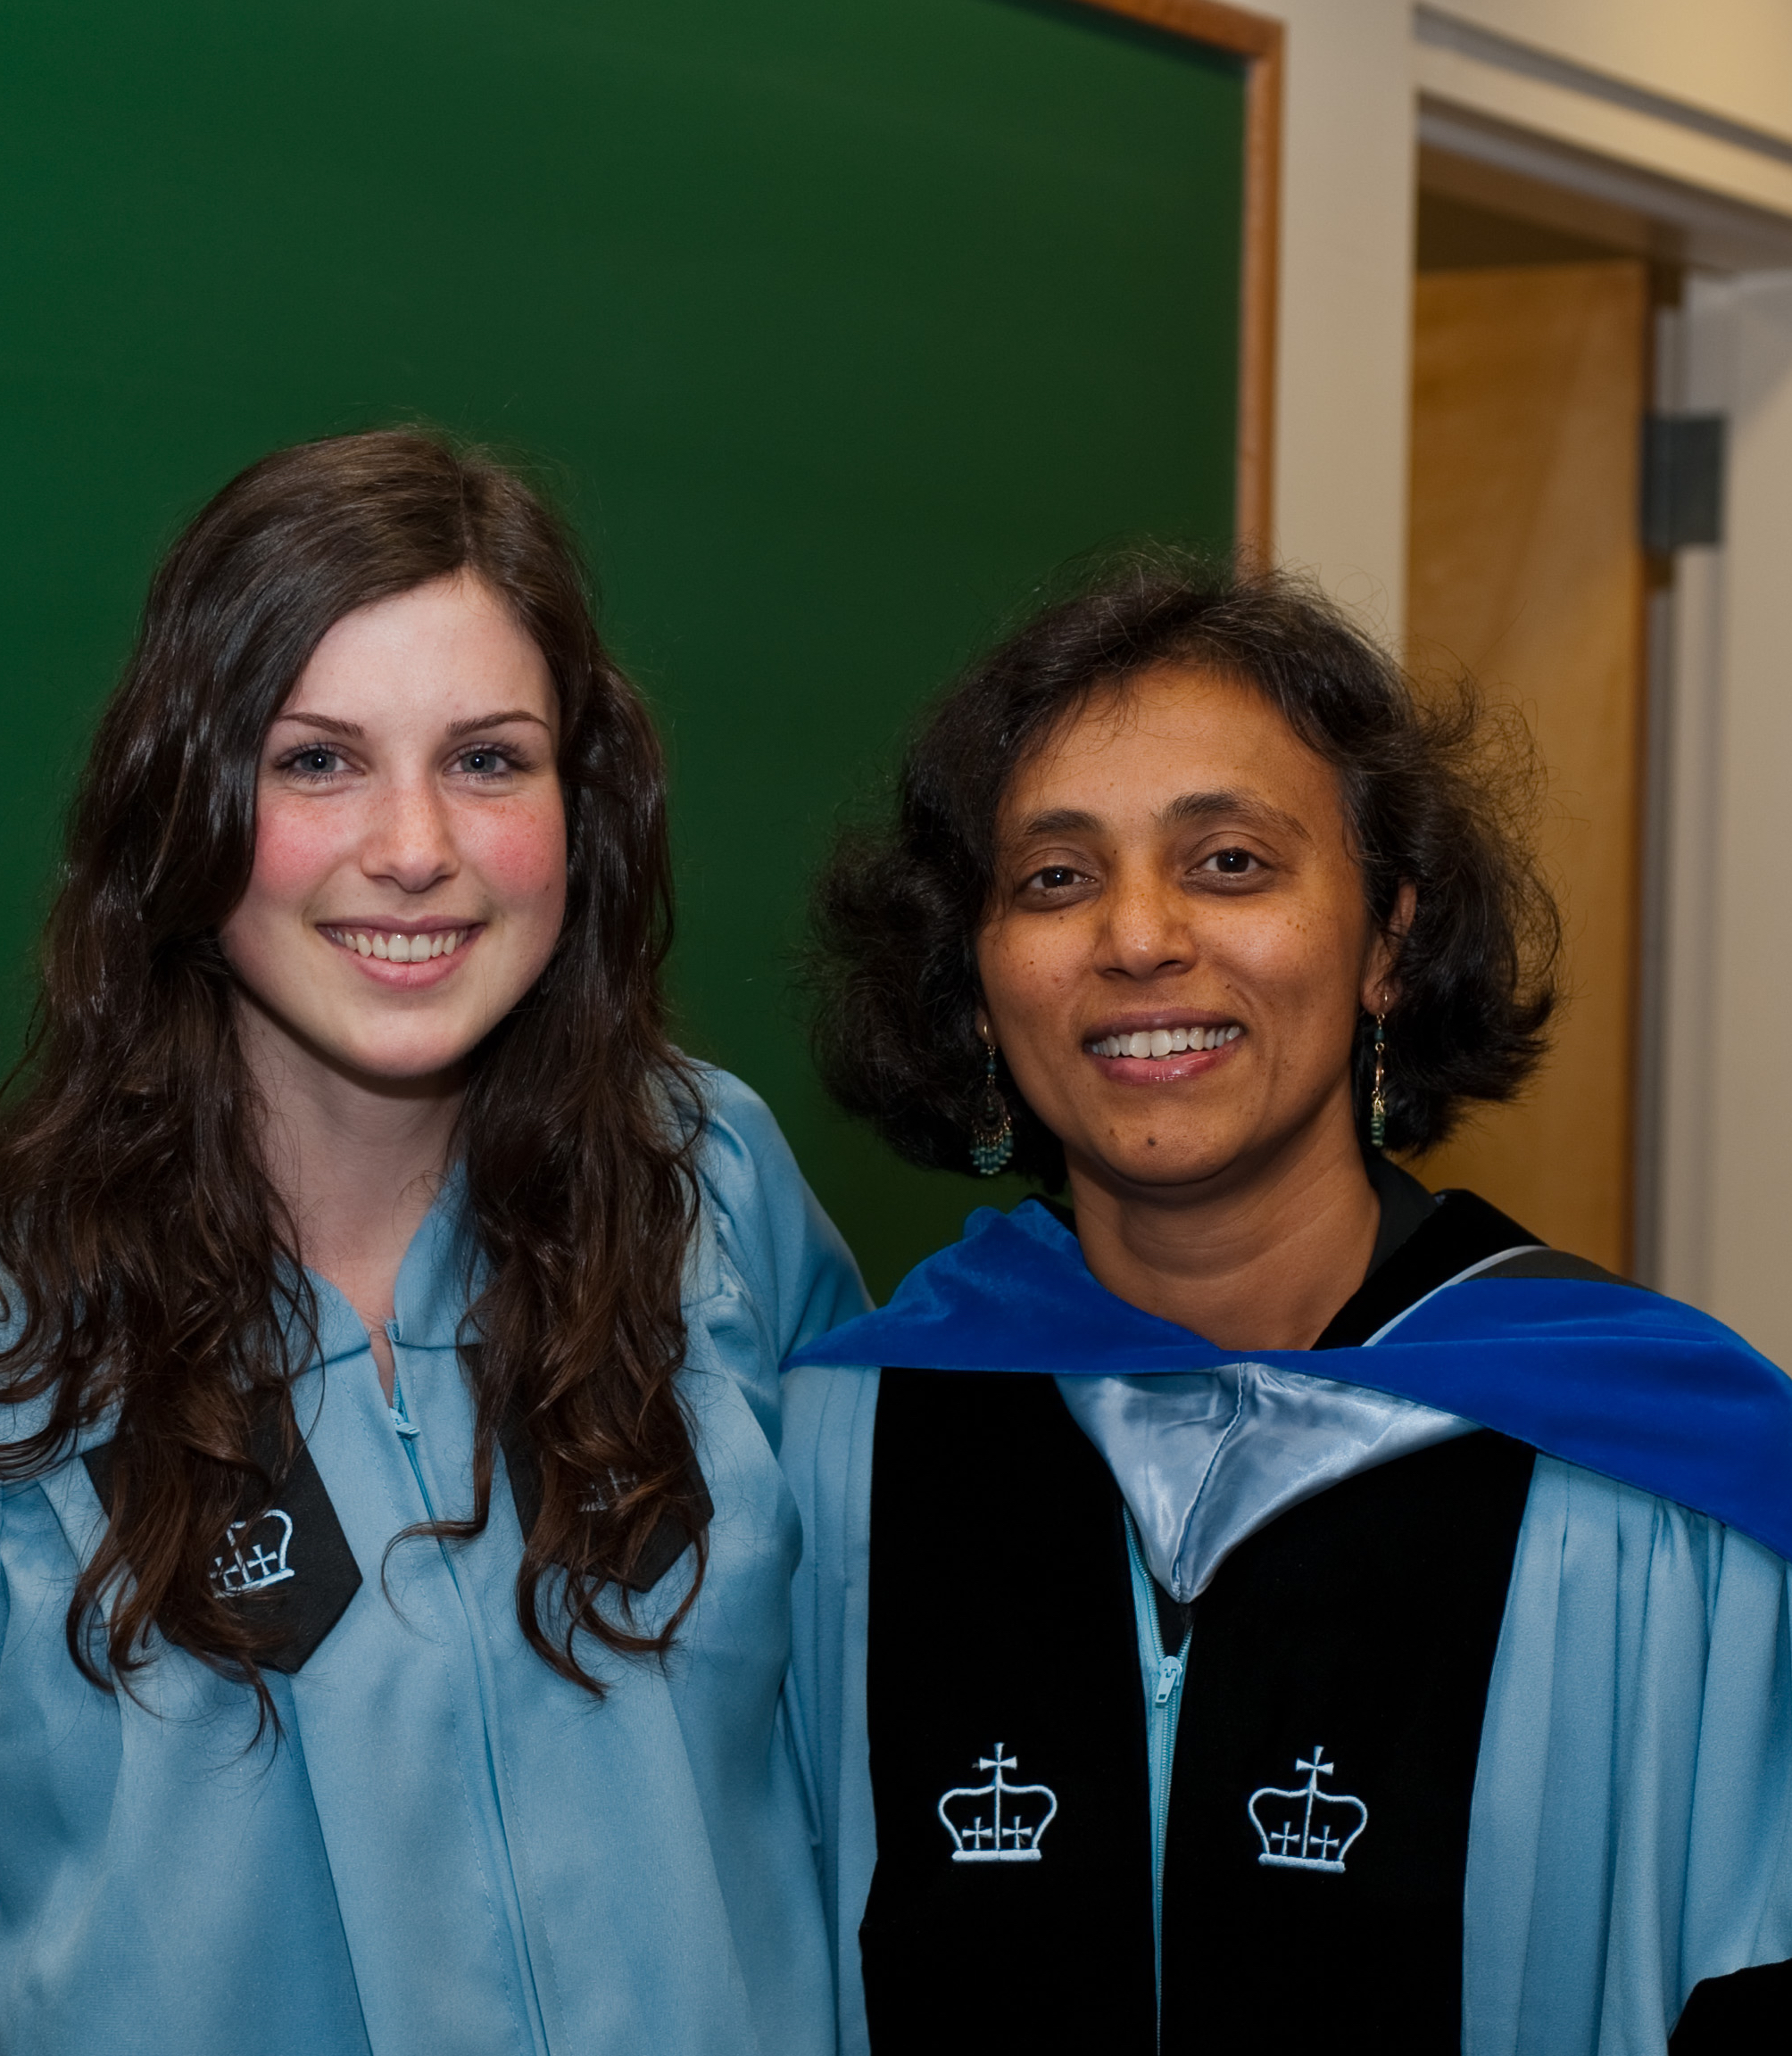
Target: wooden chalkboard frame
x,y
1259,41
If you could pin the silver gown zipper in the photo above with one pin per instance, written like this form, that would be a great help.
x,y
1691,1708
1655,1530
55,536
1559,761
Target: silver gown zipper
x,y
1163,1674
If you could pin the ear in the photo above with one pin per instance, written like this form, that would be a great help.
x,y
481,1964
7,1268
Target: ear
x,y
1381,988
985,1033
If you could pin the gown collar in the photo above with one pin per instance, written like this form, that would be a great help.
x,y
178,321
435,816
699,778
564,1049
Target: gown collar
x,y
438,1281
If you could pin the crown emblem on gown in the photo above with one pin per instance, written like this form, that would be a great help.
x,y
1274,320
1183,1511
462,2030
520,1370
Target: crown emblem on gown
x,y
1302,1828
254,1555
996,1822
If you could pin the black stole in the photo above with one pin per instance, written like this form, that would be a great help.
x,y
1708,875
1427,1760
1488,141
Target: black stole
x,y
1001,1627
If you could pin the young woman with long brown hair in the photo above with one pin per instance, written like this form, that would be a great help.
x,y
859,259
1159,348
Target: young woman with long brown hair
x,y
394,1560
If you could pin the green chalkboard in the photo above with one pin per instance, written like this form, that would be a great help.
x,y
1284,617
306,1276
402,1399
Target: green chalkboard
x,y
836,323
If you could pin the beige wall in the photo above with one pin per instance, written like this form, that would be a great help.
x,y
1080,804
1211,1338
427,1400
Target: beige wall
x,y
1728,1160
1730,57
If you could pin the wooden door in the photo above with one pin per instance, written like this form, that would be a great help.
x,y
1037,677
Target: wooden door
x,y
1526,568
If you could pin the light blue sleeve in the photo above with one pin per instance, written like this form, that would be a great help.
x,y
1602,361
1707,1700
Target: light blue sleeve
x,y
771,1272
764,1241
1631,1831
829,1418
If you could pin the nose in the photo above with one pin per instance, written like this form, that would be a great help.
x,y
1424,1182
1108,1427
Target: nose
x,y
410,842
1147,931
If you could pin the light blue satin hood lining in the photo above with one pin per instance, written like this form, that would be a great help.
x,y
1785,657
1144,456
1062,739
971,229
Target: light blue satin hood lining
x,y
1205,1459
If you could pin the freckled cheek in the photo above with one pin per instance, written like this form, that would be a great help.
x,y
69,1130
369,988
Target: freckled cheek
x,y
1294,952
1033,972
521,855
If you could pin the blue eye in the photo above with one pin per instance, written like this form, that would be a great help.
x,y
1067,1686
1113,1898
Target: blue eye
x,y
484,763
315,762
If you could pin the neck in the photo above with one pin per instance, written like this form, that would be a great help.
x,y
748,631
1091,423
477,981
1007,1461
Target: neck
x,y
357,1161
1257,1257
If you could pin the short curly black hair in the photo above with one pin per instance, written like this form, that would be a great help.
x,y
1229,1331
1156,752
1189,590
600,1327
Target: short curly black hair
x,y
1439,790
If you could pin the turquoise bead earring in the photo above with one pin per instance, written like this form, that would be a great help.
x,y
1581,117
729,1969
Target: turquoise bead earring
x,y
991,1125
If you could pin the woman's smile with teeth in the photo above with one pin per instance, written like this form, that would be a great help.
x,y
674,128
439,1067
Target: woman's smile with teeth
x,y
390,946
1164,1042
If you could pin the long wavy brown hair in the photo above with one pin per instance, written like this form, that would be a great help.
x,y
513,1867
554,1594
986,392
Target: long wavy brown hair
x,y
152,1277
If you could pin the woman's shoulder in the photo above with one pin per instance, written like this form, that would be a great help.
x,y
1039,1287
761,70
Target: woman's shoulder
x,y
750,1187
1585,1529
738,1139
763,1235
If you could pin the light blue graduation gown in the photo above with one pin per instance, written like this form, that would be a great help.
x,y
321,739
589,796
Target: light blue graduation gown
x,y
451,1851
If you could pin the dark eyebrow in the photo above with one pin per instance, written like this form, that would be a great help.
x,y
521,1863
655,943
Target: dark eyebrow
x,y
496,721
1060,821
1193,808
335,727
1197,806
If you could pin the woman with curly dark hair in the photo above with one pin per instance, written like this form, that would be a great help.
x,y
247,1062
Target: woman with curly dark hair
x,y
394,1565
1262,1602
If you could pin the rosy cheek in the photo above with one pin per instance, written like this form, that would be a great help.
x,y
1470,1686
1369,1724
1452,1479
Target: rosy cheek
x,y
296,848
522,853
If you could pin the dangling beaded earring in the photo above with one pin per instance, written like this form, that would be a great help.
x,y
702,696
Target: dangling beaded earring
x,y
992,1126
1378,1102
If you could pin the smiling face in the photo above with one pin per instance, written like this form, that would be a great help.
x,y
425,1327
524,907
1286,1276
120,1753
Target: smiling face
x,y
410,849
1179,945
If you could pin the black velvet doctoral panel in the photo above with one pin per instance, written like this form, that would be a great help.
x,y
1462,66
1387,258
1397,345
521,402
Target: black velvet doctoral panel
x,y
1002,1629
1347,1648
1748,2013
1362,1624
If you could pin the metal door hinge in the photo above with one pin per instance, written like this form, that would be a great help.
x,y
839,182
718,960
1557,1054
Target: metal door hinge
x,y
1682,480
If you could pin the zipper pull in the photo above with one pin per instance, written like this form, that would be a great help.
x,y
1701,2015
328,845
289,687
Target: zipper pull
x,y
401,1418
1169,1675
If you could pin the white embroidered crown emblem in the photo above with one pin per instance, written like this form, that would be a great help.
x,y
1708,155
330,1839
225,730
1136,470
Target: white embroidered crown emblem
x,y
254,1555
1317,1843
996,1822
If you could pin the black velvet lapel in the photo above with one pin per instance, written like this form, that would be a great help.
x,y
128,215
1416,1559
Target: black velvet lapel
x,y
1002,1635
1748,2013
1461,1229
287,1558
1355,1634
671,1536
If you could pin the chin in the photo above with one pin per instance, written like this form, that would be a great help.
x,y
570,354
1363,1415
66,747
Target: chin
x,y
1164,1167
395,1060
1157,1169
1172,1160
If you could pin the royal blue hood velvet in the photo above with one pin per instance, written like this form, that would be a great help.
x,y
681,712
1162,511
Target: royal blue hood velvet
x,y
1618,1380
